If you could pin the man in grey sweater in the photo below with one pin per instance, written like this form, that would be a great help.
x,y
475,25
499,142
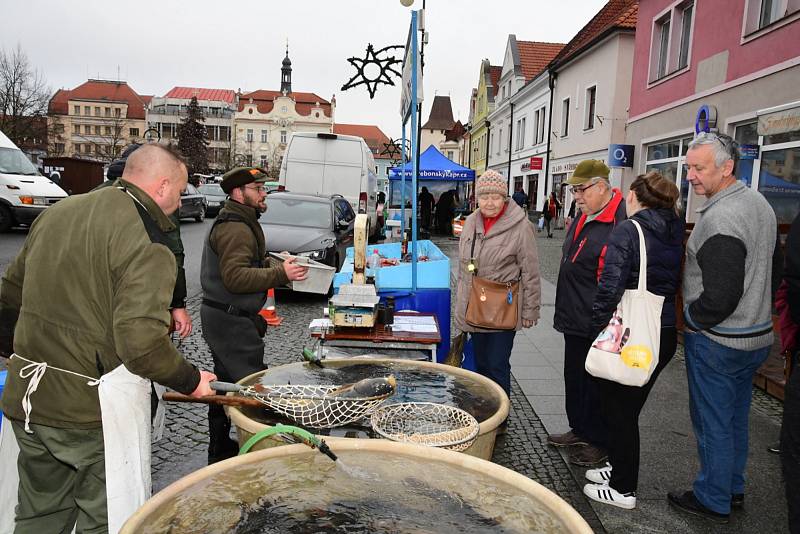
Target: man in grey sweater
x,y
727,311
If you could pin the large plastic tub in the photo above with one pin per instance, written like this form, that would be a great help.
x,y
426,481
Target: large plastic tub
x,y
431,274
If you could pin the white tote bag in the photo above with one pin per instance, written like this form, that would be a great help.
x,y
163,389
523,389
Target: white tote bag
x,y
627,350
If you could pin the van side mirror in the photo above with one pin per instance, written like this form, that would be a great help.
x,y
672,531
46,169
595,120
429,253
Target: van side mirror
x,y
342,224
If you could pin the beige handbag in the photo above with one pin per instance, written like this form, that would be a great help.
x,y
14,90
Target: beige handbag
x,y
491,305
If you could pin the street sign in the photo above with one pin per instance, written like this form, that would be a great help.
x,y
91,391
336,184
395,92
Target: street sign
x,y
620,156
536,163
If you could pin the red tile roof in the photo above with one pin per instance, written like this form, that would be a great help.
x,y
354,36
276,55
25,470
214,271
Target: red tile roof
x,y
97,91
615,15
221,95
371,134
441,116
535,56
59,103
265,99
494,75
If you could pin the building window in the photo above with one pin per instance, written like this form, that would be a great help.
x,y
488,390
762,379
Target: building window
x,y
668,158
450,155
87,110
76,128
134,132
746,134
565,117
87,129
500,141
263,162
249,137
671,40
117,112
108,112
76,110
97,111
283,137
59,148
283,109
521,133
761,14
591,102
249,160
108,130
97,130
263,136
504,93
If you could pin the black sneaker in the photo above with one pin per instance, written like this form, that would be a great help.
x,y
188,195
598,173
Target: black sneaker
x,y
737,500
687,502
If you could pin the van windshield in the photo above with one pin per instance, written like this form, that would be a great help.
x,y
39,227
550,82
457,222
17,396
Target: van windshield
x,y
13,161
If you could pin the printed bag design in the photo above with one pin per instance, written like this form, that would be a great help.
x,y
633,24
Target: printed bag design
x,y
626,351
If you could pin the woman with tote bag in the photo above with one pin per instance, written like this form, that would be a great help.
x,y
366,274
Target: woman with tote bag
x,y
652,203
498,287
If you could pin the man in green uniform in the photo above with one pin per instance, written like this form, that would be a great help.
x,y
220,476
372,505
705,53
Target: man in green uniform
x,y
88,294
235,275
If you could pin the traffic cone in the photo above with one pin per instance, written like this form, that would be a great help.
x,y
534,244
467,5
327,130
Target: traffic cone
x,y
268,311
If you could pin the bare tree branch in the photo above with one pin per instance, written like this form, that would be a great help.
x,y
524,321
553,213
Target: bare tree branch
x,y
24,96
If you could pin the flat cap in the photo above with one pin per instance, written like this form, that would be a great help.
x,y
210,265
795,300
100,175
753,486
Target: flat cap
x,y
588,169
239,176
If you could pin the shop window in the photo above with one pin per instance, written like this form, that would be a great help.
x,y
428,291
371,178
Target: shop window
x,y
670,45
746,134
668,158
779,174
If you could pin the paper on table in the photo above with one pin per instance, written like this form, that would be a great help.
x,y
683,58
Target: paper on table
x,y
414,320
319,324
419,328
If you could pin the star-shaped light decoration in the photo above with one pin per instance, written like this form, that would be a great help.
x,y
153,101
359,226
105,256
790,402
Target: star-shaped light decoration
x,y
385,67
393,150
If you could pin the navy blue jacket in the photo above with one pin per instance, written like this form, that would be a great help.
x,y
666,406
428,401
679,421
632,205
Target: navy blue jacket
x,y
582,259
663,236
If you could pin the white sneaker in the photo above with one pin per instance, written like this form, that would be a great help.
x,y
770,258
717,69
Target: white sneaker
x,y
608,495
601,475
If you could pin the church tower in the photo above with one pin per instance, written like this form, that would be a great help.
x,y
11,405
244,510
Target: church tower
x,y
286,73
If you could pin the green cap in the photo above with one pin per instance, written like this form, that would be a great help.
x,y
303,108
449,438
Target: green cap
x,y
239,176
588,169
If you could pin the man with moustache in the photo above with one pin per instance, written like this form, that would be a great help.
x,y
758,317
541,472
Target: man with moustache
x,y
235,275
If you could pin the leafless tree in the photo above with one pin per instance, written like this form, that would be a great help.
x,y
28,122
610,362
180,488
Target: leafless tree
x,y
24,96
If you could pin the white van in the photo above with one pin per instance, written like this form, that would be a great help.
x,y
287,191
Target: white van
x,y
24,193
332,164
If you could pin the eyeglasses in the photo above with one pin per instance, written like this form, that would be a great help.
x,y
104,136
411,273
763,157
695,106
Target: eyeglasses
x,y
258,189
728,143
575,190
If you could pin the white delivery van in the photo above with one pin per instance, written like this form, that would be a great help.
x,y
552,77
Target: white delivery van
x,y
24,193
332,164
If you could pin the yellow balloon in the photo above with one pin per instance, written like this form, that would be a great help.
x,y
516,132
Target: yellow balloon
x,y
637,356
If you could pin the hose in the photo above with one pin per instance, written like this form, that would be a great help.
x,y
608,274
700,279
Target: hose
x,y
304,436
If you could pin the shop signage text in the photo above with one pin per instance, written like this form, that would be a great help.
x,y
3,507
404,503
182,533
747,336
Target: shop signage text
x,y
779,122
620,156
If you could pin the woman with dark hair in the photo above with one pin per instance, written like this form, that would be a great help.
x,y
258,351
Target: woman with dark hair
x,y
653,202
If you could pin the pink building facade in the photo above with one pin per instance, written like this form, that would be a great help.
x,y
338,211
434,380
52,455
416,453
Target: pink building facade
x,y
739,61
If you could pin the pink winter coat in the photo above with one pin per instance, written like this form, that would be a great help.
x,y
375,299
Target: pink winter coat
x,y
507,254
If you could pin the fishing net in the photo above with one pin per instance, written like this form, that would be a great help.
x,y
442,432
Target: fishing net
x,y
426,423
312,406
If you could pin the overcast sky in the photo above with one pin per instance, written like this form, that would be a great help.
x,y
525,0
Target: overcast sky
x,y
230,45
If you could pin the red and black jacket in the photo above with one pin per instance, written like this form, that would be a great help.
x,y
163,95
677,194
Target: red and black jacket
x,y
582,261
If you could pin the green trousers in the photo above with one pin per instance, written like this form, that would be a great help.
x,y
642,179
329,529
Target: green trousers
x,y
62,480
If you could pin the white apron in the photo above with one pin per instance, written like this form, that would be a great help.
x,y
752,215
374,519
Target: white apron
x,y
125,412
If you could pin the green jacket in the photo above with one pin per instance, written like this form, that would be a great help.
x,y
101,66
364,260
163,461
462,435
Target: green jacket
x,y
175,244
91,291
238,247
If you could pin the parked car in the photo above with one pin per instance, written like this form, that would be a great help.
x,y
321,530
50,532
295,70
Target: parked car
x,y
329,164
193,204
215,198
315,226
24,193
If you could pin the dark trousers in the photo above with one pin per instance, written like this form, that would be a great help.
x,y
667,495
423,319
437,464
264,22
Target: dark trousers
x,y
426,218
548,223
62,480
493,356
790,446
582,394
621,407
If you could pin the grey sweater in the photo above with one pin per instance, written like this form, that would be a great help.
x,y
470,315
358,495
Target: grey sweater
x,y
728,272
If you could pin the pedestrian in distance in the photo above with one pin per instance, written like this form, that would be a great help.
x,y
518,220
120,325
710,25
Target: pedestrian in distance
x,y
426,203
235,274
78,397
583,256
550,212
652,202
497,244
788,307
728,317
520,197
